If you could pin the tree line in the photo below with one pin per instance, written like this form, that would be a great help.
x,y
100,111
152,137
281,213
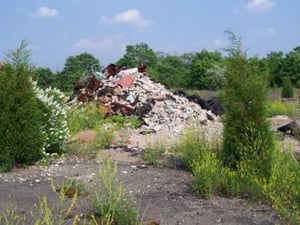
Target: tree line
x,y
194,70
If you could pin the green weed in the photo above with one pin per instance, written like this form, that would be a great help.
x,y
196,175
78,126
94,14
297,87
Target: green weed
x,y
154,154
191,145
275,108
108,198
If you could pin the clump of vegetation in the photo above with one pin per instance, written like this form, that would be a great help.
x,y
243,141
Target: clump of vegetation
x,y
90,116
192,145
87,116
55,128
248,164
287,90
21,137
108,198
247,135
154,154
275,108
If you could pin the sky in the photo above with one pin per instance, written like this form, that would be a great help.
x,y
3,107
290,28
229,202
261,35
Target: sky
x,y
57,29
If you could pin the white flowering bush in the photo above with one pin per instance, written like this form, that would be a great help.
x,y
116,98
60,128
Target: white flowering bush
x,y
55,127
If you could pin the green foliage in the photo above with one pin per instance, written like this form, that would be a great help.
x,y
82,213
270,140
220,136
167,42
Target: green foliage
x,y
283,188
136,54
55,127
291,65
87,116
275,108
247,136
20,58
154,155
109,200
287,88
45,78
124,121
215,77
90,116
73,69
205,174
298,84
104,136
274,61
204,66
21,138
170,71
192,145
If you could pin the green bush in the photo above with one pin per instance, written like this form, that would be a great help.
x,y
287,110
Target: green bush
x,y
191,145
206,174
298,84
283,187
104,136
246,136
21,138
55,127
87,116
154,154
287,90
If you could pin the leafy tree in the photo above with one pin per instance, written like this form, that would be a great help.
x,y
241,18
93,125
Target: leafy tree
x,y
45,78
74,69
20,58
200,63
136,54
247,136
274,61
215,77
287,90
291,65
171,71
21,139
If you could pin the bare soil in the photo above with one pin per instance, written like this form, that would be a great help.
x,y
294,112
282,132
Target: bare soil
x,y
163,195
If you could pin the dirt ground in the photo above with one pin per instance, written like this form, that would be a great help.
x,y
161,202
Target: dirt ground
x,y
163,195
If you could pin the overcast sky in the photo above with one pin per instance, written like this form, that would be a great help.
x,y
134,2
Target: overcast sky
x,y
57,29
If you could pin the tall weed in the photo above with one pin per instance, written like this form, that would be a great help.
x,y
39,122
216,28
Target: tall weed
x,y
191,146
108,198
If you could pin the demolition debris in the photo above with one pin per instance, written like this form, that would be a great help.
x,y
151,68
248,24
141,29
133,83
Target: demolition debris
x,y
131,92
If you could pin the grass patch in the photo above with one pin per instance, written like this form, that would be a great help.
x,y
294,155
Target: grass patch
x,y
291,109
155,154
192,145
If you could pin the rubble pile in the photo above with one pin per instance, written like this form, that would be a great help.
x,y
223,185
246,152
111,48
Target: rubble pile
x,y
131,92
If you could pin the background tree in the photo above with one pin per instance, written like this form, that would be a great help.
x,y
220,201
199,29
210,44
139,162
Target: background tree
x,y
170,71
200,63
274,61
291,65
215,77
138,53
247,136
287,90
21,138
73,70
45,78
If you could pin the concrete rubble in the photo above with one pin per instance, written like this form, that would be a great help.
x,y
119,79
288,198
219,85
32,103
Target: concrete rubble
x,y
131,92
